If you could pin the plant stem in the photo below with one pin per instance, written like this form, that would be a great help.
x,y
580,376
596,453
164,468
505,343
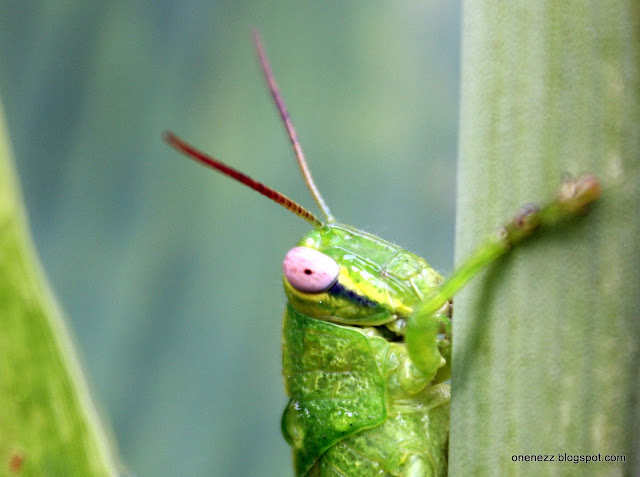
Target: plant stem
x,y
547,341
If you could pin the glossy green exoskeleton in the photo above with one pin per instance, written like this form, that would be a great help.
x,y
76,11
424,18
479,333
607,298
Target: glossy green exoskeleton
x,y
367,333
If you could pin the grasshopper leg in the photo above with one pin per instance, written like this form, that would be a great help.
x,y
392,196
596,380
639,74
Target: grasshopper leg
x,y
424,330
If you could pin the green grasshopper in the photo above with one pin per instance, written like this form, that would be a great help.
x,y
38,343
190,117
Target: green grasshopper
x,y
367,331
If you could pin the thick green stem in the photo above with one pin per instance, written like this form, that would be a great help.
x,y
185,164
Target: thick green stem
x,y
48,424
547,341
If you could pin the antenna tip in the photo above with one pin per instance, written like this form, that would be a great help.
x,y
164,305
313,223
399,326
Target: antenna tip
x,y
169,137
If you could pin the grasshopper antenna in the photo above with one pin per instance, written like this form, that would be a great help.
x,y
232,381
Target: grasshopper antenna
x,y
293,137
278,197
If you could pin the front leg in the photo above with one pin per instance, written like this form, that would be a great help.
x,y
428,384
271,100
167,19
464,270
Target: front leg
x,y
573,198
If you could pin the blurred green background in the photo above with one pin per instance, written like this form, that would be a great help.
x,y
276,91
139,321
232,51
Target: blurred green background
x,y
170,275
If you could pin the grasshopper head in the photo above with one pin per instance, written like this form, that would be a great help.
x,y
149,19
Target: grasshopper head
x,y
343,275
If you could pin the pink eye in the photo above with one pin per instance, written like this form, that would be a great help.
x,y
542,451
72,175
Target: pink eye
x,y
308,270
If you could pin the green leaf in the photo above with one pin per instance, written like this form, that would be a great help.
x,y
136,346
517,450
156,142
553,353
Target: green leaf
x,y
48,424
546,341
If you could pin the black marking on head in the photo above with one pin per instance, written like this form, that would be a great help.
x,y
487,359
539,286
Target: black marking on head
x,y
339,290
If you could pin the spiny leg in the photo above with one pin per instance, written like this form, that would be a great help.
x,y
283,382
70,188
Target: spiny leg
x,y
574,197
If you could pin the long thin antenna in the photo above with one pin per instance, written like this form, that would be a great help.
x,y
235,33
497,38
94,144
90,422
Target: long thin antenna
x,y
199,156
293,137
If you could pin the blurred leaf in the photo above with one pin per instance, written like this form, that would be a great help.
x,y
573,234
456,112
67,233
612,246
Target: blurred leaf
x,y
48,424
